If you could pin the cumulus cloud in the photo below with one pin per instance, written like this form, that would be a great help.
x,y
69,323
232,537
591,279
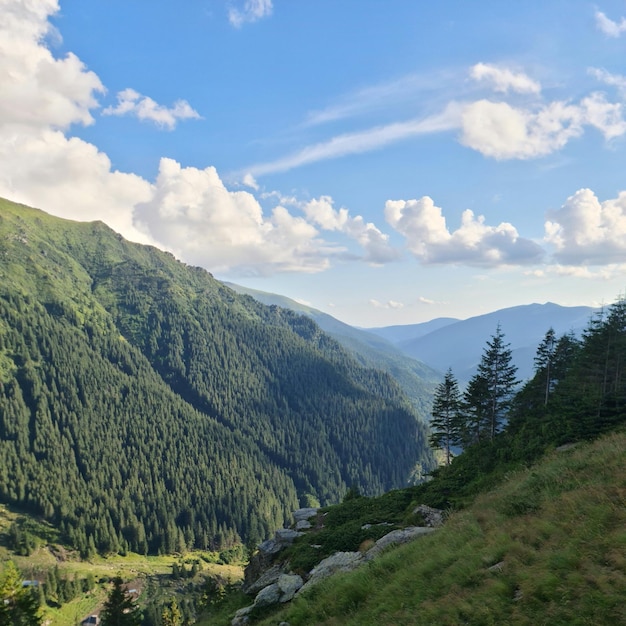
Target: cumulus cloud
x,y
503,79
375,243
473,243
41,97
501,131
193,213
130,102
587,231
37,89
70,178
252,11
608,26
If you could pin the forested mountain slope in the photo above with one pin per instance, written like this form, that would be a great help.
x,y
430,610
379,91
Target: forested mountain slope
x,y
145,405
418,380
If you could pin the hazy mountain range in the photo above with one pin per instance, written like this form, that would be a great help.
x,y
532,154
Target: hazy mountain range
x,y
444,342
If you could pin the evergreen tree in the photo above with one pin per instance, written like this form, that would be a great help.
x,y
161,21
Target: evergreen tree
x,y
475,408
119,608
544,361
171,615
498,372
19,605
445,423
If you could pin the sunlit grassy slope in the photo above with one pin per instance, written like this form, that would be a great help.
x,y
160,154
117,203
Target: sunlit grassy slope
x,y
548,546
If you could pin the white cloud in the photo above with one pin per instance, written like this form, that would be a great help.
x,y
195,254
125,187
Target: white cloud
x,y
608,26
607,272
363,141
614,80
252,11
193,213
607,117
37,89
390,304
503,79
413,88
501,131
587,231
473,243
375,243
130,102
249,181
69,178
40,97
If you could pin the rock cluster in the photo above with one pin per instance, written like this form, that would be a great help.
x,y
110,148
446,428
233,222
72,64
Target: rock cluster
x,y
272,583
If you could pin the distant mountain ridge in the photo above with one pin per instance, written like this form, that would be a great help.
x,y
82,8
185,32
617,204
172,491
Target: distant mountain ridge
x,y
443,342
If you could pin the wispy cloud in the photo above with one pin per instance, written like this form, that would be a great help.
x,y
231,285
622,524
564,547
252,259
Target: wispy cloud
x,y
613,80
130,102
410,88
252,11
609,27
364,141
390,304
503,79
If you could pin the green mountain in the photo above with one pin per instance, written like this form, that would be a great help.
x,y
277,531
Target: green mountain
x,y
418,380
146,406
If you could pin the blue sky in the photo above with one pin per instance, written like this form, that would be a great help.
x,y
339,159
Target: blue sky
x,y
386,162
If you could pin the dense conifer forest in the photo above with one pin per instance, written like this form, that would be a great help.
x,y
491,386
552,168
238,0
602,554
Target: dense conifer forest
x,y
145,406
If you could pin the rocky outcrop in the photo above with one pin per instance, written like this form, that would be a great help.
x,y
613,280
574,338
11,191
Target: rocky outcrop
x,y
271,582
338,562
433,518
396,537
261,571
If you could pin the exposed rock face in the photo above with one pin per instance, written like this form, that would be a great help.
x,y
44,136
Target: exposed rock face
x,y
289,585
338,562
264,579
267,596
432,517
261,566
396,537
304,514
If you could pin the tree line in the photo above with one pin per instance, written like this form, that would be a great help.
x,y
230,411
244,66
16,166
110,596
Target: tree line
x,y
577,391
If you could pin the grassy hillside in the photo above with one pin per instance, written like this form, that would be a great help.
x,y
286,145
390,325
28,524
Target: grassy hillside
x,y
145,406
547,546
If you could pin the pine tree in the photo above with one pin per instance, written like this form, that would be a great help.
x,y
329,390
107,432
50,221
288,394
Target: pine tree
x,y
171,615
475,411
445,426
498,373
544,361
19,606
119,608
